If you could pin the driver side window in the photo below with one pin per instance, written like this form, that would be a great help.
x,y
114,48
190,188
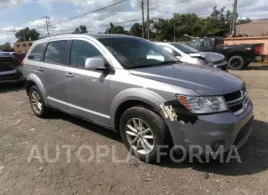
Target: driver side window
x,y
80,51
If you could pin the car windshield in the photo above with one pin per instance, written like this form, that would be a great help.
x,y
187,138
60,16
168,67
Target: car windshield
x,y
137,53
185,48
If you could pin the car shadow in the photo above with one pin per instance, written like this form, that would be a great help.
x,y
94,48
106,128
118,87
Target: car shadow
x,y
253,155
261,67
85,124
5,88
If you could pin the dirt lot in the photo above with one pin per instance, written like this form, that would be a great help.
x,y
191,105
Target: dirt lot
x,y
20,130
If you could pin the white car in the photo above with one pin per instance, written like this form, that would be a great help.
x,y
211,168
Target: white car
x,y
187,54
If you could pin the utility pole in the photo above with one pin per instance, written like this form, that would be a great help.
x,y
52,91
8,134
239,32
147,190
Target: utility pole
x,y
142,9
47,22
234,18
174,32
148,20
24,38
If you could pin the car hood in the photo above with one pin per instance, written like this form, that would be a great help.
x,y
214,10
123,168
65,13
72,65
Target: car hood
x,y
213,57
202,79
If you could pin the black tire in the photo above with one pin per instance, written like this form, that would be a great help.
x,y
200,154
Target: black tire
x,y
236,63
246,64
44,109
156,124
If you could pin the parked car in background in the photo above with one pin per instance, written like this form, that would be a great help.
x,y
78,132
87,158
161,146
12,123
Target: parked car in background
x,y
10,69
132,86
188,54
238,56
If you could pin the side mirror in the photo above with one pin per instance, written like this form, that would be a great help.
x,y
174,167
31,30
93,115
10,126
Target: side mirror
x,y
95,63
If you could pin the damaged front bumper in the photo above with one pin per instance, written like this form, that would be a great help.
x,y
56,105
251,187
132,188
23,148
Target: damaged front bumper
x,y
225,129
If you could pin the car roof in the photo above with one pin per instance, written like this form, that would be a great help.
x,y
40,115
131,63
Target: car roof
x,y
95,36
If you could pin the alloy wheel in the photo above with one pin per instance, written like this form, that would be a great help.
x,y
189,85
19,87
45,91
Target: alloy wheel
x,y
139,136
36,102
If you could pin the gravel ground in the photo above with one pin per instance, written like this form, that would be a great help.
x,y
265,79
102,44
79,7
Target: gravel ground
x,y
22,133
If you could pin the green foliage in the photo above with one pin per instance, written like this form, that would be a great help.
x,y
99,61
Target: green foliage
x,y
27,35
115,29
82,29
7,45
136,30
190,24
244,21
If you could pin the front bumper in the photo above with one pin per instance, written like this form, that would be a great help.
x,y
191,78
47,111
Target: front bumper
x,y
224,128
222,66
14,76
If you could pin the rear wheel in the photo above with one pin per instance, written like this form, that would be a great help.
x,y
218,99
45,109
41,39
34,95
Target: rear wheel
x,y
144,133
236,63
246,64
37,102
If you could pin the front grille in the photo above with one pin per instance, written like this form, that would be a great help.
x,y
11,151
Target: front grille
x,y
232,96
6,59
6,64
235,108
237,101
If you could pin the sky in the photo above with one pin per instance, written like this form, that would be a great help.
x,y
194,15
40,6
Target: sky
x,y
17,14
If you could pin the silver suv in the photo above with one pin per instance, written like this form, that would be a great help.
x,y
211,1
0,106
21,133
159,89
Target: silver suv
x,y
134,87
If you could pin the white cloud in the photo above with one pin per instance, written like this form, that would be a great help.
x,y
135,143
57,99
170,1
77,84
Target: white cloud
x,y
4,4
130,10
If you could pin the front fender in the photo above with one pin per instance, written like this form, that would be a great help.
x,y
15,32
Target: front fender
x,y
33,78
138,94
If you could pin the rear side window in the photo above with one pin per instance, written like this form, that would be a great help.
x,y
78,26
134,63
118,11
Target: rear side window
x,y
81,50
56,52
38,52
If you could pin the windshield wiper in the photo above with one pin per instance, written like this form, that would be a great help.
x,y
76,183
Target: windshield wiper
x,y
168,62
159,64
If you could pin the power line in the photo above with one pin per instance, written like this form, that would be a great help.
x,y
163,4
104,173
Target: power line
x,y
81,15
117,23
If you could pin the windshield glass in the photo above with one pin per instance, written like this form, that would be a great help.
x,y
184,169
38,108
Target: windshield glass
x,y
185,48
137,53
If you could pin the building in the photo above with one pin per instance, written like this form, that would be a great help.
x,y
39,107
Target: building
x,y
254,28
22,47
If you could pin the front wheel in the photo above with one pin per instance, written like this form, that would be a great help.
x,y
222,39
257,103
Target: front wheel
x,y
236,63
144,133
37,102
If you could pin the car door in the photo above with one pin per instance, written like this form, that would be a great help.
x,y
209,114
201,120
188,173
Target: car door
x,y
53,70
87,90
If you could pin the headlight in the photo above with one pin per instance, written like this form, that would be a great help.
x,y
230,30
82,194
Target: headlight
x,y
203,105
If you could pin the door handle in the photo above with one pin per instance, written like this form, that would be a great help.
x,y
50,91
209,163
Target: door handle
x,y
40,69
69,74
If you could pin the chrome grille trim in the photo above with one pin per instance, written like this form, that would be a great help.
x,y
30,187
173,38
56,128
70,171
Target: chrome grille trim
x,y
242,101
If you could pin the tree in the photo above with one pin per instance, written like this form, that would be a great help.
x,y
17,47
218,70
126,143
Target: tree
x,y
27,35
80,30
136,30
115,29
244,21
7,45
